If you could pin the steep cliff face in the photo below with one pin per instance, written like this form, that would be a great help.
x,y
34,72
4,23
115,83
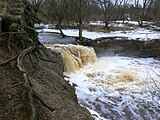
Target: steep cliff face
x,y
31,76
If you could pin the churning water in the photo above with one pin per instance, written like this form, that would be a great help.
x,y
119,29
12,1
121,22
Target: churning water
x,y
118,88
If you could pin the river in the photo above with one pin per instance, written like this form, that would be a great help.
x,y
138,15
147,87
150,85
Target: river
x,y
120,88
117,87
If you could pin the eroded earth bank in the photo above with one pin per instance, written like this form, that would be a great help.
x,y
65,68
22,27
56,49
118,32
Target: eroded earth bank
x,y
32,85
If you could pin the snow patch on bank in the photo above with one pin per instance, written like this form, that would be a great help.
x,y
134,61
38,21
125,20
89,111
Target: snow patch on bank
x,y
139,33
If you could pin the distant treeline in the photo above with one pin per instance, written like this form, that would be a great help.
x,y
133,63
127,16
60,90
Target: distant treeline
x,y
70,11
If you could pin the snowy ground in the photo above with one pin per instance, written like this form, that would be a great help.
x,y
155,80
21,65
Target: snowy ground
x,y
138,33
118,23
119,88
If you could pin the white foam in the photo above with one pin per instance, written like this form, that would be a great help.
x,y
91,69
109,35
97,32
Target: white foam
x,y
116,87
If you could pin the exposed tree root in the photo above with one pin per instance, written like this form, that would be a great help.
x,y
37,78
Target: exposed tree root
x,y
46,59
22,41
30,28
18,84
43,59
23,31
9,60
26,82
33,16
9,44
27,85
6,33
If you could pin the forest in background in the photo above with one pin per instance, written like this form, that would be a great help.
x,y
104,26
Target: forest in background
x,y
33,85
77,11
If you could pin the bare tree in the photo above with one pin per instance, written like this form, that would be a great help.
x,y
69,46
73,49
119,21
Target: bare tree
x,y
36,4
56,11
61,8
142,10
80,19
108,7
77,9
124,9
155,13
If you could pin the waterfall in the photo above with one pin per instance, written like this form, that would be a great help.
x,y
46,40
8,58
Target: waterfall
x,y
74,56
113,87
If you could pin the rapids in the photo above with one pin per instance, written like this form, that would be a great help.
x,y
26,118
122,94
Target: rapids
x,y
117,88
120,88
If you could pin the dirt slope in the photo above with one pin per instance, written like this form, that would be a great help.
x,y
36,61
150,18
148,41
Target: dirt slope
x,y
47,81
32,86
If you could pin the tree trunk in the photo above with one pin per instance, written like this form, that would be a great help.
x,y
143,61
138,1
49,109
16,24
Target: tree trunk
x,y
80,31
140,23
106,20
0,24
60,29
106,25
80,21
